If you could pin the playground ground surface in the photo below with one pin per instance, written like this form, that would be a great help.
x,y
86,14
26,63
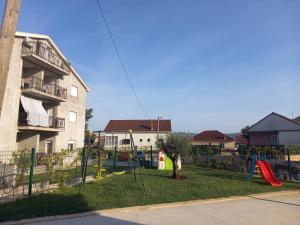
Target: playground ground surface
x,y
122,191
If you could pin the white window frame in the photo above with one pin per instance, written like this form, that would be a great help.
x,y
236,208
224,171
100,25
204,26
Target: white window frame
x,y
71,117
74,91
71,142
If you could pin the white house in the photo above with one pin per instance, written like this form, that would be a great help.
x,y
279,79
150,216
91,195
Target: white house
x,y
145,133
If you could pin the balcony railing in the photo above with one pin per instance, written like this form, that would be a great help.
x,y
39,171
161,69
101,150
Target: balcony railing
x,y
45,52
38,84
54,122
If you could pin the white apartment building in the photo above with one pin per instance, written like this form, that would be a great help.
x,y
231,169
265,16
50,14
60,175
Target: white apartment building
x,y
45,98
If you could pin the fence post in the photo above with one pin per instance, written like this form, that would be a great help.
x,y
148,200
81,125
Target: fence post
x,y
151,156
31,171
115,156
289,163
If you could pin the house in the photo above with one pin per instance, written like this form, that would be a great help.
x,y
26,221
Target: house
x,y
240,140
45,98
213,137
145,133
275,129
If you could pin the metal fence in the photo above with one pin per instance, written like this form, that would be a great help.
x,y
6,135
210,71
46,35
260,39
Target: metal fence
x,y
25,172
284,160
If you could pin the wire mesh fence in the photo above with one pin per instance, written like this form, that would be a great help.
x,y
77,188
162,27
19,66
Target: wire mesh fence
x,y
284,160
48,171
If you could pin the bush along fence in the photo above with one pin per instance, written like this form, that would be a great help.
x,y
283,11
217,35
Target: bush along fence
x,y
285,160
25,172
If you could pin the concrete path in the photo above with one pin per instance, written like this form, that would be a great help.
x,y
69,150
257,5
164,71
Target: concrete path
x,y
269,209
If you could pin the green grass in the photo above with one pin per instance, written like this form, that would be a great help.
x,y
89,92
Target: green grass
x,y
122,191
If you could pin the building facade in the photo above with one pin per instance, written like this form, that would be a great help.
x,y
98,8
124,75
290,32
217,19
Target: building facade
x,y
275,129
45,99
145,133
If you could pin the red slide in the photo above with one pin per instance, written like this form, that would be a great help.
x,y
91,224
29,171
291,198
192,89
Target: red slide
x,y
268,173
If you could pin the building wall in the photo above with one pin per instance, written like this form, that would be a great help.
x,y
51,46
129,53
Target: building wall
x,y
289,137
227,145
262,138
144,144
9,115
73,131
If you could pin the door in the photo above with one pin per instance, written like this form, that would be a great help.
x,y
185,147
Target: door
x,y
49,146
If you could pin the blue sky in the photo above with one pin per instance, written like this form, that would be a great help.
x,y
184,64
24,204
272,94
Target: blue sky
x,y
204,64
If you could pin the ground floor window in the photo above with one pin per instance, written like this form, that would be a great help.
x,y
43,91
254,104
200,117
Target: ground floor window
x,y
125,141
111,140
71,145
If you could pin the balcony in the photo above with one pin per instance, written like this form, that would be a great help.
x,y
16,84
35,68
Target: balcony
x,y
44,56
56,124
35,87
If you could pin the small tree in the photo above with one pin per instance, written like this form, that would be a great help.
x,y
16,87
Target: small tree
x,y
22,158
175,145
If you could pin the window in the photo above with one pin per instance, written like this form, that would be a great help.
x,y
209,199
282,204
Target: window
x,y
274,139
111,140
125,141
148,139
72,117
71,145
74,91
141,140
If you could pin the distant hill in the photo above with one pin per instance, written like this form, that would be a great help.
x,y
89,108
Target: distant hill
x,y
232,135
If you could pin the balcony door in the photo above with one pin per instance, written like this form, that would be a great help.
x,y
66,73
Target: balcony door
x,y
49,147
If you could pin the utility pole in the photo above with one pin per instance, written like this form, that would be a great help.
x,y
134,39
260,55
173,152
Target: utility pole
x,y
7,37
158,118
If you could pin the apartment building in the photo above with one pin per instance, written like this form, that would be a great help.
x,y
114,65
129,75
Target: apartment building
x,y
45,98
144,132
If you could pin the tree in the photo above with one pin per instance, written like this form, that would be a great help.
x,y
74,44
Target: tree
x,y
89,137
175,145
245,132
88,115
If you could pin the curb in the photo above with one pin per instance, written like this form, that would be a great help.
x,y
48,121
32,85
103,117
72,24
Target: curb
x,y
146,207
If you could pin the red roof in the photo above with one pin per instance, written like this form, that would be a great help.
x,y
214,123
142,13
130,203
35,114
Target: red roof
x,y
240,140
138,125
212,136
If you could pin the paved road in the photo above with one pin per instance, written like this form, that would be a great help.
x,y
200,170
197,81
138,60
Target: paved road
x,y
260,210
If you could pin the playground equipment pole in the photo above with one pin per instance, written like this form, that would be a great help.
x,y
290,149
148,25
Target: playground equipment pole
x,y
289,163
115,156
31,171
151,156
135,159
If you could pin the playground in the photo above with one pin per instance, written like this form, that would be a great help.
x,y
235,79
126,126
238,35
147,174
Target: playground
x,y
122,191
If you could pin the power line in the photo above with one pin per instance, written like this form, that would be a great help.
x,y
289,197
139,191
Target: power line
x,y
121,60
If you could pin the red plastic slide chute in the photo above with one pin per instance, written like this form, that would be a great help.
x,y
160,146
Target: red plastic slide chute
x,y
268,173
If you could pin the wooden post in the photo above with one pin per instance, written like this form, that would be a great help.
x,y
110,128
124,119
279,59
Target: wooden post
x,y
7,37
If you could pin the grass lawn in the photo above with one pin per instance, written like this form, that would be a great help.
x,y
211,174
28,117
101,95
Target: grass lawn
x,y
122,191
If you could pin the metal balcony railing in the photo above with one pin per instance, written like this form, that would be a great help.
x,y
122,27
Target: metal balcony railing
x,y
54,122
45,52
38,84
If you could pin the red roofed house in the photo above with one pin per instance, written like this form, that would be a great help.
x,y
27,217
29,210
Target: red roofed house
x,y
213,137
240,140
145,133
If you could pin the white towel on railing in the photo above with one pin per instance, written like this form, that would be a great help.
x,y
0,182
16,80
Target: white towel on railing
x,y
36,114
